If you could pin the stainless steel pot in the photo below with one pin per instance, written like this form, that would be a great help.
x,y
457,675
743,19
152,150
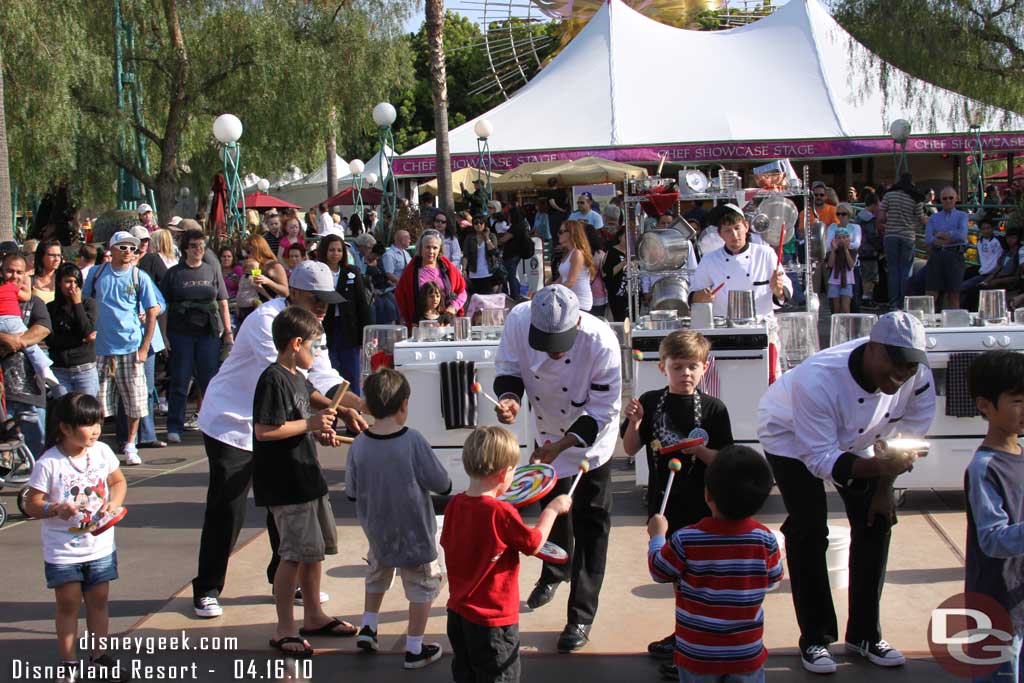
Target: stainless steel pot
x,y
663,249
816,240
671,293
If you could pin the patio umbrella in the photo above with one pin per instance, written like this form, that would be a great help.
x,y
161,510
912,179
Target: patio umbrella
x,y
466,176
520,177
588,171
262,200
218,214
371,197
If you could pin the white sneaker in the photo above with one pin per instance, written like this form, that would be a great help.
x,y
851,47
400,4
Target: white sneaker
x,y
880,653
132,458
173,437
207,607
324,597
192,423
817,659
161,407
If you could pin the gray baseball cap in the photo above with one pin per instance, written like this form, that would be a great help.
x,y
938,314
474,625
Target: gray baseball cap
x,y
554,319
314,276
903,337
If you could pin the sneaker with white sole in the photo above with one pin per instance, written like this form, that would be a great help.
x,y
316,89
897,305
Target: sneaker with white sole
x,y
367,639
207,607
173,437
880,653
429,653
132,458
817,659
192,423
324,597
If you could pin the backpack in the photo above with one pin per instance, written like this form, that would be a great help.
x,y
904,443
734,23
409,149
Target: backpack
x,y
526,246
103,268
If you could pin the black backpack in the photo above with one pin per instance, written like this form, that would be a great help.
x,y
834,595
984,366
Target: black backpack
x,y
526,245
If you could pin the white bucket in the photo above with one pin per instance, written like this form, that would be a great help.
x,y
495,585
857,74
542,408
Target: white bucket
x,y
437,541
837,557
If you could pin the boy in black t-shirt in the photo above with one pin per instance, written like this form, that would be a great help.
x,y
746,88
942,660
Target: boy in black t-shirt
x,y
669,416
288,480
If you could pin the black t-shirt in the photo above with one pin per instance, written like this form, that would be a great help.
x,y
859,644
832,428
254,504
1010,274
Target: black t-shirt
x,y
192,295
615,283
686,503
286,471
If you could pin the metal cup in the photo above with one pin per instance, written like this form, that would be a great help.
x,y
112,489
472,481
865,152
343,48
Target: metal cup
x,y
798,337
992,305
925,304
847,326
463,329
429,331
740,310
1018,316
701,317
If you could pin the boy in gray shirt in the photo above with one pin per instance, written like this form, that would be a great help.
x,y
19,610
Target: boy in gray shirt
x,y
390,473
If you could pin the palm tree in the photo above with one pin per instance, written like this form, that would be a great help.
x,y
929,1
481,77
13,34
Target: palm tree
x,y
439,87
6,215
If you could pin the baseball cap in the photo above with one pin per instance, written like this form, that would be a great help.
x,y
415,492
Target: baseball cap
x,y
314,276
9,247
173,223
494,206
554,318
818,183
144,208
139,232
902,335
123,237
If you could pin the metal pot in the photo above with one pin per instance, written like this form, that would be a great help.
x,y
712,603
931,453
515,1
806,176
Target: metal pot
x,y
816,240
663,249
671,293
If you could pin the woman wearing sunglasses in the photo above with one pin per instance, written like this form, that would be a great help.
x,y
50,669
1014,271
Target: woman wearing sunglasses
x,y
843,240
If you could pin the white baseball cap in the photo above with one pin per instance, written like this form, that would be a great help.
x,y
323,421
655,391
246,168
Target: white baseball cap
x,y
139,232
554,319
314,276
123,237
144,209
903,337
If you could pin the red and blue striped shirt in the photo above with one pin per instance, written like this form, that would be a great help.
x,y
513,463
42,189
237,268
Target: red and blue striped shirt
x,y
721,570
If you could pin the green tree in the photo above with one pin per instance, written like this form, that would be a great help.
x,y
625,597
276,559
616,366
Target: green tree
x,y
279,65
973,47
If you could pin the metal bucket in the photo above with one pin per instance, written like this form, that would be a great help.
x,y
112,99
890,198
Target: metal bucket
x,y
671,293
663,249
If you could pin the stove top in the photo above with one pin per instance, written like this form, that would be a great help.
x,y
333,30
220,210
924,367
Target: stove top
x,y
940,339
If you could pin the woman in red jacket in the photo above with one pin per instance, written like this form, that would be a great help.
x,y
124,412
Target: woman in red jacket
x,y
429,266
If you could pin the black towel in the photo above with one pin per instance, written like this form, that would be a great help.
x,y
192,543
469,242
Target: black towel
x,y
958,399
458,402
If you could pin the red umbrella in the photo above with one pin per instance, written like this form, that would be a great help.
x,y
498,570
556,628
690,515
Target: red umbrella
x,y
217,220
262,200
371,196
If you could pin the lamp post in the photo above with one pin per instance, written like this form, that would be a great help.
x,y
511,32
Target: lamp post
x,y
227,129
978,151
483,130
263,185
384,115
899,130
357,167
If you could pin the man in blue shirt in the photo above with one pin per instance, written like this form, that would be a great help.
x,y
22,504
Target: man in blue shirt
x,y
585,213
122,340
946,238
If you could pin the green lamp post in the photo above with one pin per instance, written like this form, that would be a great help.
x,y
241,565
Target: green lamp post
x,y
384,116
228,129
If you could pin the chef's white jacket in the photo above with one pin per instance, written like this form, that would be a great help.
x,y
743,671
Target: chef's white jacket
x,y
579,393
751,269
817,411
226,414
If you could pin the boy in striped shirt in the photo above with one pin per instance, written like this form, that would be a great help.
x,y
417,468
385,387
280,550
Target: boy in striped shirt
x,y
721,567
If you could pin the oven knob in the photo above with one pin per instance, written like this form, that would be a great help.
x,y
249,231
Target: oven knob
x,y
1004,340
988,342
459,355
932,343
431,355
418,355
487,353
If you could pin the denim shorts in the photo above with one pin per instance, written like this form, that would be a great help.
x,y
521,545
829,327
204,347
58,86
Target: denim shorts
x,y
88,574
835,291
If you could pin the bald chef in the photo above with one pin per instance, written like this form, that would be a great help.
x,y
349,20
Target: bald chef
x,y
827,420
740,264
569,365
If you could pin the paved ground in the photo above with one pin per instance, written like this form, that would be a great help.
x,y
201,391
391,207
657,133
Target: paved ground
x,y
160,537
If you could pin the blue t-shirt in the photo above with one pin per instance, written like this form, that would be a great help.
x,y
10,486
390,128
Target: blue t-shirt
x,y
118,328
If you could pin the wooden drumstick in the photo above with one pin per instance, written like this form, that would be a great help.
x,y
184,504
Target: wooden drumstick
x,y
339,394
674,465
717,289
584,467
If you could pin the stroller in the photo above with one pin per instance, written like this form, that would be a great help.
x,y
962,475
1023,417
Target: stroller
x,y
16,460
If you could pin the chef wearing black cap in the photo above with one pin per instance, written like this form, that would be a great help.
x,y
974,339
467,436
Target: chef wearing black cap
x,y
569,365
827,421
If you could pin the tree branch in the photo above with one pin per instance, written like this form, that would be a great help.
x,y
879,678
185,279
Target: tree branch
x,y
221,76
130,166
90,108
158,63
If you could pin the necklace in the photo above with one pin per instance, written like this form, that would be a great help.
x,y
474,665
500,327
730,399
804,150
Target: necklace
x,y
661,426
72,462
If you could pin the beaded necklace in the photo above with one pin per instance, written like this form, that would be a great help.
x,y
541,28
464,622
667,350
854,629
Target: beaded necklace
x,y
660,423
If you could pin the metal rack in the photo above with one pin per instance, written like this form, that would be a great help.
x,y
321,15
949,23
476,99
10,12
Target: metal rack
x,y
633,209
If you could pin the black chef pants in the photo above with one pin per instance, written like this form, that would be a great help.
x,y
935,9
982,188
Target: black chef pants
x,y
806,532
583,533
226,502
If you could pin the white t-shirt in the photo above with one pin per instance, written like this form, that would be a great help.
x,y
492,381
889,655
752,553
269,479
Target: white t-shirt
x,y
82,482
989,252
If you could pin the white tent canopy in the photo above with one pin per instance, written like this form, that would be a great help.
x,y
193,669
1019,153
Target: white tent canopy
x,y
374,165
312,189
629,88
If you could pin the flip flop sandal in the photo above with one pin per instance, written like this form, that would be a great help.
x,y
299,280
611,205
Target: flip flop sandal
x,y
279,645
328,629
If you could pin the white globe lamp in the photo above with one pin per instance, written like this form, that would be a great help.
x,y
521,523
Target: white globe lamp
x,y
371,179
356,166
384,114
263,185
900,130
227,128
483,129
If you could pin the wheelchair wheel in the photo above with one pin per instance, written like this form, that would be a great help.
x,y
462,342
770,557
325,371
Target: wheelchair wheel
x,y
24,461
22,498
3,514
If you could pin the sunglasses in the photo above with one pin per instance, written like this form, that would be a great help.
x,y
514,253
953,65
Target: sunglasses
x,y
842,213
952,199
126,247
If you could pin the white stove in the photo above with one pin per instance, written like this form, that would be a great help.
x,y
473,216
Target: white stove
x,y
420,362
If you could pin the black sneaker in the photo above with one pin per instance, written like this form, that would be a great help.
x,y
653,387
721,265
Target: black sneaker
x,y
664,648
880,653
668,672
106,668
207,607
367,640
429,653
817,659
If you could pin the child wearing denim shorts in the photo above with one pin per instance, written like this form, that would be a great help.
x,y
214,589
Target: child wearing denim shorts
x,y
74,488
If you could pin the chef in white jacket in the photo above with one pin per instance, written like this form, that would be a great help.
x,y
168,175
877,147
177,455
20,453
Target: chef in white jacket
x,y
827,421
741,264
568,364
225,420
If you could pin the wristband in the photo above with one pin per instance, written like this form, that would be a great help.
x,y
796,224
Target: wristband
x,y
46,509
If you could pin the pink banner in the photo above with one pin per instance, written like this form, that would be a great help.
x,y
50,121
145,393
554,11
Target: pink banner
x,y
713,152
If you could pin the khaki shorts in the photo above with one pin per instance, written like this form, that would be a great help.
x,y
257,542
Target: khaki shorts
x,y
869,271
307,530
421,582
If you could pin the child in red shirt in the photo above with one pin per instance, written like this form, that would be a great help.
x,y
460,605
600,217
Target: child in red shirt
x,y
11,294
482,538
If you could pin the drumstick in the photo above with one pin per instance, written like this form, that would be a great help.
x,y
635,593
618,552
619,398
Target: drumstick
x,y
584,466
343,439
478,389
342,388
782,242
716,289
673,466
682,445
